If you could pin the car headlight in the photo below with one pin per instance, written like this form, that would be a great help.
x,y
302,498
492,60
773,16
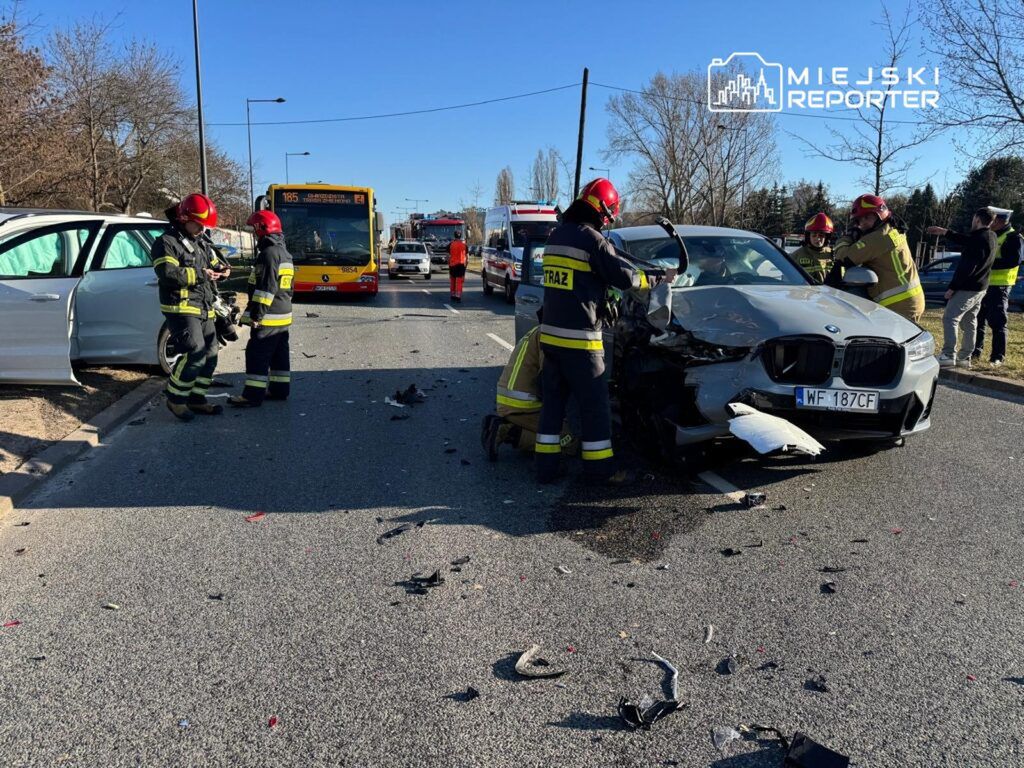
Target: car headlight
x,y
921,347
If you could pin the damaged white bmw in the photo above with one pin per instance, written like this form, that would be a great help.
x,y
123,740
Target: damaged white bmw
x,y
743,330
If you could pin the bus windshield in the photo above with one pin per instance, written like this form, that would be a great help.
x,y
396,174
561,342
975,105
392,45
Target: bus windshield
x,y
330,228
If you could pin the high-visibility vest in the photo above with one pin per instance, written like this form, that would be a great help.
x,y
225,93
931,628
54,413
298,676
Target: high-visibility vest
x,y
1008,276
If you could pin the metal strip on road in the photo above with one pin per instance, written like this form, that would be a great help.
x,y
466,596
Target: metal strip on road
x,y
723,486
501,341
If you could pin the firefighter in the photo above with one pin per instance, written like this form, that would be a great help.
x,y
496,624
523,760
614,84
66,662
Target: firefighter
x,y
579,267
814,256
186,267
873,241
457,265
269,312
519,401
1009,253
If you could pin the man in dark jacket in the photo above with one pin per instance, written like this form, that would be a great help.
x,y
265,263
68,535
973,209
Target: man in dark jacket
x,y
967,288
269,312
579,267
994,307
186,268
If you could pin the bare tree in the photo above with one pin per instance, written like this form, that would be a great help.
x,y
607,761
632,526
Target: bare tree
x,y
874,142
981,48
504,187
544,176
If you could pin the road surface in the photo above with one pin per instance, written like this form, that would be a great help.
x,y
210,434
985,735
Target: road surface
x,y
315,627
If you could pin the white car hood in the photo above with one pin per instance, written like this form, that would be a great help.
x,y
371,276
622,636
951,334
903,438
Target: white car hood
x,y
744,316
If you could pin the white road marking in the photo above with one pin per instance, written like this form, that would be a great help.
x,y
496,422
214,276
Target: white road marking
x,y
723,486
426,291
451,309
501,341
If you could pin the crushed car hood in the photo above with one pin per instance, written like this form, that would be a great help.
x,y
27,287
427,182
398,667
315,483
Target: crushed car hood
x,y
744,316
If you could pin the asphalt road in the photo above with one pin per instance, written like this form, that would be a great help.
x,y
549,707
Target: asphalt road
x,y
920,644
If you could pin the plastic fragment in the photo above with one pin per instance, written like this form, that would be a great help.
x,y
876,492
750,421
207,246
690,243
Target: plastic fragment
x,y
767,433
12,623
20,551
722,735
818,684
828,588
730,552
754,499
461,560
805,752
972,678
832,569
623,634
216,596
136,422
645,714
392,403
272,722
111,607
897,531
709,633
22,524
394,532
530,665
562,569
183,724
255,518
41,657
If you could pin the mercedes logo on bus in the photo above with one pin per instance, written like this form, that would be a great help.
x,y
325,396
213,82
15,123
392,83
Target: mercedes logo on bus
x,y
325,278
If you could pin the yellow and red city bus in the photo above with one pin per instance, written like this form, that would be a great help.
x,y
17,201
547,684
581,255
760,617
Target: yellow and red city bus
x,y
333,234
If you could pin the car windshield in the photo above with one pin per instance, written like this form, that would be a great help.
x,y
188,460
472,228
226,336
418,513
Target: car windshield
x,y
524,232
720,260
409,248
440,232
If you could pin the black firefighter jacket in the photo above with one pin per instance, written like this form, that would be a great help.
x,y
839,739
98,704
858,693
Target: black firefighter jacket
x,y
179,261
270,285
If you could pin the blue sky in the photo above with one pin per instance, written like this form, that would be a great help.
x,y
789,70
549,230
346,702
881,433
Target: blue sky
x,y
334,59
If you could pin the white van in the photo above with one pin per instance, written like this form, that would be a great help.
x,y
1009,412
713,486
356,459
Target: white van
x,y
507,230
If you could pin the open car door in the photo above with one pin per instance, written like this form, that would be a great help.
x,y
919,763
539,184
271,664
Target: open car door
x,y
39,271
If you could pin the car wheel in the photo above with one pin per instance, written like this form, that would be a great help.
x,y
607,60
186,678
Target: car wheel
x,y
165,353
488,288
510,292
428,276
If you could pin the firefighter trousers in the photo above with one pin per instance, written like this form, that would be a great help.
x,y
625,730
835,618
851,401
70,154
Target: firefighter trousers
x,y
526,436
267,365
196,342
578,374
994,308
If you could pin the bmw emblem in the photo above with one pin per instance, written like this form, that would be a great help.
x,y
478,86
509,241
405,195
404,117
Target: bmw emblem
x,y
327,279
831,329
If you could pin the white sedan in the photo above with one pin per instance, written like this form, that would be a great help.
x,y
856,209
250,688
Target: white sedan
x,y
77,287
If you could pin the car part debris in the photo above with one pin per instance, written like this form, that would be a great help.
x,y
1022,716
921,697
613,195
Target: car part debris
x,y
563,570
645,714
805,752
392,403
22,524
730,552
731,664
410,396
531,665
723,735
37,658
12,623
216,596
394,532
461,560
433,580
659,306
312,314
20,551
828,588
401,416
272,722
709,633
766,433
754,499
111,607
818,684
832,569
255,517
136,422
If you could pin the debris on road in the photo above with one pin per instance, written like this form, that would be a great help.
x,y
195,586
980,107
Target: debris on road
x,y
645,714
255,517
401,416
410,396
730,552
216,596
723,735
818,684
731,664
828,588
272,722
394,532
433,580
461,561
754,499
307,355
20,551
766,433
392,403
22,524
12,623
37,658
111,607
530,664
709,633
897,531
137,422
805,752
312,314
563,570
832,569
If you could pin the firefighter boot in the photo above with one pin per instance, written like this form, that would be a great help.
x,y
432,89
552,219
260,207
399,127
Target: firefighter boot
x,y
180,410
205,408
489,435
239,401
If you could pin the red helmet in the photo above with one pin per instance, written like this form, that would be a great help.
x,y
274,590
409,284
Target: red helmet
x,y
264,223
198,208
870,204
603,197
819,222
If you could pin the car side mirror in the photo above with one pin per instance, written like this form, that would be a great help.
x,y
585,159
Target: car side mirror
x,y
378,219
859,277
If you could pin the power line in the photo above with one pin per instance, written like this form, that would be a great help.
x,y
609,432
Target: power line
x,y
408,112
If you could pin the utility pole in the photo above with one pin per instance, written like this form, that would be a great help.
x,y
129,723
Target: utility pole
x,y
583,122
204,188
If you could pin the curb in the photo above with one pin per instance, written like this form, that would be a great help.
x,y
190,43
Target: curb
x,y
981,381
16,485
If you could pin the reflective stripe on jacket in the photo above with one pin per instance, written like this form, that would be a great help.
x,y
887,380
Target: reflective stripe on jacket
x,y
886,253
179,261
579,266
1008,257
519,384
270,284
814,262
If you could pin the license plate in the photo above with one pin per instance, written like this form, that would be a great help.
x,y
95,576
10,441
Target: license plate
x,y
409,269
837,399
326,288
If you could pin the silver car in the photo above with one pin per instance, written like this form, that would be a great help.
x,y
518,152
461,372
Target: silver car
x,y
745,325
409,258
77,287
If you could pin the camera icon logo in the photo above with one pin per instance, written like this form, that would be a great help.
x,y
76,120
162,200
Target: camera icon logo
x,y
744,82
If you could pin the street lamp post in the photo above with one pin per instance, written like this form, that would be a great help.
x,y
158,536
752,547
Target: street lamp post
x,y
286,156
416,200
607,171
199,101
248,128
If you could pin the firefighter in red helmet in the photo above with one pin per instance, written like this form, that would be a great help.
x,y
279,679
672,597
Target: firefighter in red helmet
x,y
815,256
269,313
579,267
875,241
186,267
